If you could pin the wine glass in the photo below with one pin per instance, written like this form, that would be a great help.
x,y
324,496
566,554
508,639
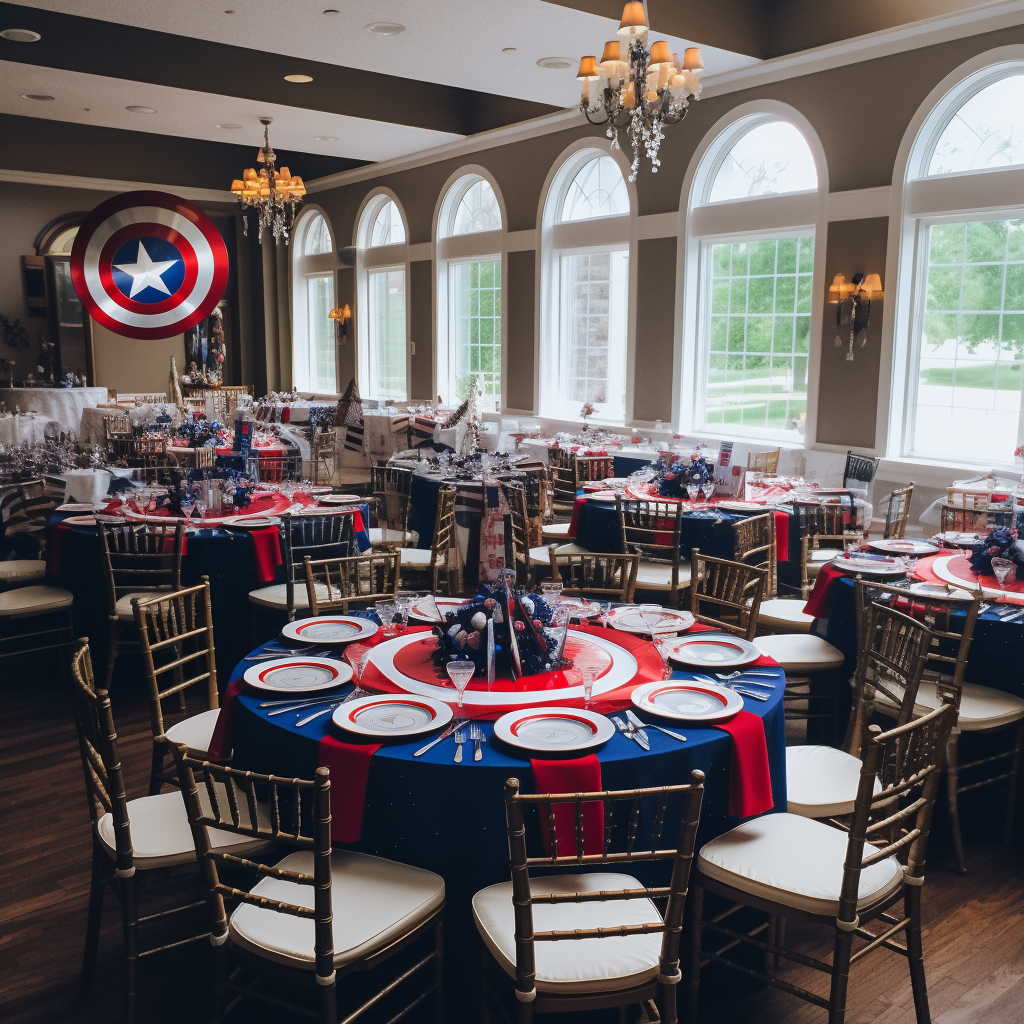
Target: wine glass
x,y
1001,569
708,487
551,591
460,673
588,675
403,604
386,613
663,643
650,616
692,490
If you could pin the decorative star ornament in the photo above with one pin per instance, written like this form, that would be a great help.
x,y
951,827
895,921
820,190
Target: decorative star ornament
x,y
145,273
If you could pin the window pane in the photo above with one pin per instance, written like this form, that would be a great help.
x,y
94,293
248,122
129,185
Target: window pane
x,y
478,210
475,331
321,334
318,237
597,191
770,159
388,228
968,376
387,334
986,132
593,343
761,383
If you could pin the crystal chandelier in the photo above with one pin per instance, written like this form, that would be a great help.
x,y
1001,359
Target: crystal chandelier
x,y
638,88
272,194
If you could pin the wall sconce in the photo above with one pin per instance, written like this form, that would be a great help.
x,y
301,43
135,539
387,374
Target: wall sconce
x,y
341,318
852,300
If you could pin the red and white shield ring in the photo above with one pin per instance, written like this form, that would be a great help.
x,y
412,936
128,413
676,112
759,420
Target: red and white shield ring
x,y
149,265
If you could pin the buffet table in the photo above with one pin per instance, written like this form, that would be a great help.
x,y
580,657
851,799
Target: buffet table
x,y
26,428
64,405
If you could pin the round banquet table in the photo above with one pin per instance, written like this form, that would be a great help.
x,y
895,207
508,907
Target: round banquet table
x,y
450,818
64,405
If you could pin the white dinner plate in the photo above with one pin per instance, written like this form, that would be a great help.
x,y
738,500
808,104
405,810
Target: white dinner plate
x,y
742,506
627,618
870,566
330,629
422,610
940,590
392,714
960,540
342,499
688,702
319,489
554,730
298,675
76,506
251,522
917,548
713,650
80,520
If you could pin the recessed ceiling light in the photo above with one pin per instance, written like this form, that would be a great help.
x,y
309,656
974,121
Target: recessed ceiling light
x,y
325,138
510,49
35,96
141,110
229,12
331,11
298,78
385,28
20,35
555,63
229,127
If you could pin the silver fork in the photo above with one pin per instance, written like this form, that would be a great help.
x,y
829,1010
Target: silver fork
x,y
460,738
476,734
333,706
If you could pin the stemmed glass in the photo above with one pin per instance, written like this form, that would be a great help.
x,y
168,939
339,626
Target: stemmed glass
x,y
403,604
650,616
588,676
386,613
692,490
551,591
1001,569
708,487
460,673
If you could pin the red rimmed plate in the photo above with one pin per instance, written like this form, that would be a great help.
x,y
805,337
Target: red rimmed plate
x,y
422,609
688,702
330,629
342,499
878,565
713,650
917,548
298,675
392,715
250,522
628,619
554,729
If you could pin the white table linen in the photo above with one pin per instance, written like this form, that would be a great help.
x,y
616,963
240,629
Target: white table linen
x,y
65,405
25,429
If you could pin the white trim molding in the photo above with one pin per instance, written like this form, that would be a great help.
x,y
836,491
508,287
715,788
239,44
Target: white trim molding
x,y
116,185
859,204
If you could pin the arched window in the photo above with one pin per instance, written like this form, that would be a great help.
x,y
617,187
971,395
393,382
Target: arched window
x,y
469,292
960,335
585,289
749,293
382,265
313,266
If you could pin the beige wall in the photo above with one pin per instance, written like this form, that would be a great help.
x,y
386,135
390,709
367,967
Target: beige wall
x,y
130,366
860,113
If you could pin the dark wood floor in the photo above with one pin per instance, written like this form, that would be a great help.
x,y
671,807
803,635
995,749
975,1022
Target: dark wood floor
x,y
974,925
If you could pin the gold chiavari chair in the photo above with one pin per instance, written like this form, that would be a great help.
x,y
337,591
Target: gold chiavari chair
x,y
595,938
117,427
825,531
821,781
139,560
611,577
651,530
392,489
323,456
176,636
134,842
332,584
529,560
796,868
563,489
441,562
590,469
726,595
897,512
763,462
318,912
956,519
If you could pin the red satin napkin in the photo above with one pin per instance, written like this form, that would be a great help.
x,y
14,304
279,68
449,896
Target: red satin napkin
x,y
574,523
750,779
221,741
350,768
267,549
821,596
579,775
781,536
54,547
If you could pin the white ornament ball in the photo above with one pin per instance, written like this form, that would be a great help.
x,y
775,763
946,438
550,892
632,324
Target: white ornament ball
x,y
479,621
527,606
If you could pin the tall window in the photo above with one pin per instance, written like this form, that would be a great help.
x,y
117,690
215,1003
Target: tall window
x,y
586,281
382,331
755,289
469,293
313,354
965,349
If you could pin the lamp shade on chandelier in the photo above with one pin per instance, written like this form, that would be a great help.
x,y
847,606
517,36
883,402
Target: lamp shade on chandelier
x,y
637,88
273,194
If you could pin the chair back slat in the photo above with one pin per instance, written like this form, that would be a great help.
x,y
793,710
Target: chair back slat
x,y
897,512
330,535
591,469
514,496
332,584
726,595
140,556
754,544
594,574
763,462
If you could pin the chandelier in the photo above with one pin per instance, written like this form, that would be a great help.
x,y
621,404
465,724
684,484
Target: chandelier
x,y
637,88
272,194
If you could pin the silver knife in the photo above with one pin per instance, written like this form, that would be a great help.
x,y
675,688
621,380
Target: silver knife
x,y
457,724
630,732
638,726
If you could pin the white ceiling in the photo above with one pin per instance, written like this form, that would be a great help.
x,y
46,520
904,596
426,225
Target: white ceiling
x,y
97,100
446,42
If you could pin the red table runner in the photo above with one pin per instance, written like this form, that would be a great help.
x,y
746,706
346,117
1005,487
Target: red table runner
x,y
960,567
578,775
349,764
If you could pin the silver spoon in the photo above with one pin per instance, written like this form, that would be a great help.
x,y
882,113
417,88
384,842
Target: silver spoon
x,y
460,738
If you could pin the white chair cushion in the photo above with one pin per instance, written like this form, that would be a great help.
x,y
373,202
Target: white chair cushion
x,y
541,557
570,965
556,531
276,596
800,652
795,861
821,782
981,707
33,601
656,576
196,731
409,539
161,835
16,570
123,608
415,558
375,902
784,613
823,554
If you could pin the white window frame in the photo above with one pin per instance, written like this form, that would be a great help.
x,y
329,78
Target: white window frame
x,y
601,234
380,257
303,268
917,202
785,215
467,248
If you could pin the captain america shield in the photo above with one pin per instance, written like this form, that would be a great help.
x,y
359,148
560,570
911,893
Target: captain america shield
x,y
149,265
